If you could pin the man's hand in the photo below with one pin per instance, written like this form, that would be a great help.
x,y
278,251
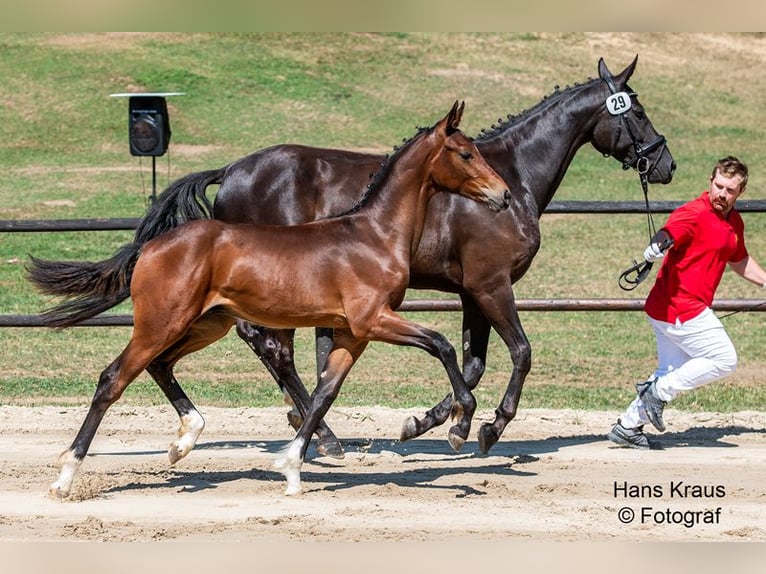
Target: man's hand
x,y
653,253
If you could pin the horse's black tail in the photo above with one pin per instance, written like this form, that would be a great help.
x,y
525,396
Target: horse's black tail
x,y
94,287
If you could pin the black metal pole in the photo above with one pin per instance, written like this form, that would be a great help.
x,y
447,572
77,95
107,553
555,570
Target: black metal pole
x,y
154,178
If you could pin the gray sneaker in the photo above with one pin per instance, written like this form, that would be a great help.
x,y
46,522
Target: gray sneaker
x,y
633,438
653,404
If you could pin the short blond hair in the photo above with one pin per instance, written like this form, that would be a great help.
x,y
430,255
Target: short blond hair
x,y
731,166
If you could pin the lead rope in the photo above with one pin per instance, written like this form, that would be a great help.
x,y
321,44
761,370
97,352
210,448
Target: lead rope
x,y
638,272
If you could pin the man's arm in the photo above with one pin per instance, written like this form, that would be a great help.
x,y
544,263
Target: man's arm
x,y
749,269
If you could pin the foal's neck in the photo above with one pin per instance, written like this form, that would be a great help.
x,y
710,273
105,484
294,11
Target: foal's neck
x,y
397,206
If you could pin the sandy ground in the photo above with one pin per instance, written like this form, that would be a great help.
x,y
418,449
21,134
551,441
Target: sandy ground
x,y
551,477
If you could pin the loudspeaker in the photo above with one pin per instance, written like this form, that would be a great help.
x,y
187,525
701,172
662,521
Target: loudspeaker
x,y
148,125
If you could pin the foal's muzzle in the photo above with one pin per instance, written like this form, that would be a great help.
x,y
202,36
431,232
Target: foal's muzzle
x,y
500,204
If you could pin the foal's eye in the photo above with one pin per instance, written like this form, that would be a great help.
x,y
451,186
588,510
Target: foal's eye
x,y
466,155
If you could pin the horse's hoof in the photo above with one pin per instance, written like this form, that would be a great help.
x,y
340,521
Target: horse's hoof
x,y
295,419
487,437
331,448
455,440
409,429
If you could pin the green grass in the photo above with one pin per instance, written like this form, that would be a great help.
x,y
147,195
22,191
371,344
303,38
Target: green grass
x,y
64,154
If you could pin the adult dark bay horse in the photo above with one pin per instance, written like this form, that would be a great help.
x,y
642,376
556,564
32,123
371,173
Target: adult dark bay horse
x,y
532,152
348,273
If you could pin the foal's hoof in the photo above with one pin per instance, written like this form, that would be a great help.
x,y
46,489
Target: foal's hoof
x,y
409,429
57,492
174,455
455,440
331,448
487,437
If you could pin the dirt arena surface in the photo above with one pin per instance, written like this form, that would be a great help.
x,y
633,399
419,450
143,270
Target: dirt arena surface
x,y
552,477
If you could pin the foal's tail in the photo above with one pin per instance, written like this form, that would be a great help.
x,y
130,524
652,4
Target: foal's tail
x,y
94,287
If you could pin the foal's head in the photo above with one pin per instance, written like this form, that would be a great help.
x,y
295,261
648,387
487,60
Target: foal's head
x,y
458,164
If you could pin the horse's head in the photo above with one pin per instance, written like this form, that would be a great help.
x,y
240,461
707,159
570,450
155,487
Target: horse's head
x,y
458,166
625,132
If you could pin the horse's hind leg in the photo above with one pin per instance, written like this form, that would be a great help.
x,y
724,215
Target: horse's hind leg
x,y
475,343
276,351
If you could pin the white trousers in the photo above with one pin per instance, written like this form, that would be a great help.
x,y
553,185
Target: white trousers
x,y
689,355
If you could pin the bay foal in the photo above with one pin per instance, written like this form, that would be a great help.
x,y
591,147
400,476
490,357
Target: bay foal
x,y
190,285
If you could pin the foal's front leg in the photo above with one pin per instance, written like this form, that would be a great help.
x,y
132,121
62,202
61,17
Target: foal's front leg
x,y
275,350
344,353
392,328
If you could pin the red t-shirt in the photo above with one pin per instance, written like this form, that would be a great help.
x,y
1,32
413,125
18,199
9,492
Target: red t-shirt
x,y
704,241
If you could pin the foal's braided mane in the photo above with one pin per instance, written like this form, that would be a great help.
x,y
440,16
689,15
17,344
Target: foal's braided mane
x,y
377,177
511,119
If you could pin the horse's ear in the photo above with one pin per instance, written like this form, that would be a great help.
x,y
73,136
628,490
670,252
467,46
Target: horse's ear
x,y
603,71
625,75
454,116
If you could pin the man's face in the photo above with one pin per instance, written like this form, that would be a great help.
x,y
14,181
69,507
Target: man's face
x,y
724,192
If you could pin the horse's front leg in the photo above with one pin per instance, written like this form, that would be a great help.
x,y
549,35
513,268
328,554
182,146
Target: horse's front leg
x,y
392,328
475,343
344,353
500,309
275,349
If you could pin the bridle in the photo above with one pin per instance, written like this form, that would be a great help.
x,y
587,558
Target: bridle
x,y
618,104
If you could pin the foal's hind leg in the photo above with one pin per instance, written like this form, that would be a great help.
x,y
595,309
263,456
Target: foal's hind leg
x,y
475,343
203,332
276,351
192,423
156,330
111,384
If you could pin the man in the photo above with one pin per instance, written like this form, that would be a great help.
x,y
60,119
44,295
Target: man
x,y
700,238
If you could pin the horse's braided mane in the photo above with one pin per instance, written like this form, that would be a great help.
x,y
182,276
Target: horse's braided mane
x,y
377,177
511,119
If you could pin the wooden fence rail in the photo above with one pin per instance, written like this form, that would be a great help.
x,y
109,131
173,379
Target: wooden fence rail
x,y
725,305
555,207
561,207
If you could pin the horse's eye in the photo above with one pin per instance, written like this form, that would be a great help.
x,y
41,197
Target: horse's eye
x,y
640,114
466,155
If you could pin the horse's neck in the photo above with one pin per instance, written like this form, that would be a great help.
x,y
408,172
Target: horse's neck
x,y
534,151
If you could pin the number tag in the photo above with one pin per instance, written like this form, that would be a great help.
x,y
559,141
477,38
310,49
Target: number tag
x,y
618,103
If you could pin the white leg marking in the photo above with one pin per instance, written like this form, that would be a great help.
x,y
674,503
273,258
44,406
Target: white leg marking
x,y
68,465
289,463
191,427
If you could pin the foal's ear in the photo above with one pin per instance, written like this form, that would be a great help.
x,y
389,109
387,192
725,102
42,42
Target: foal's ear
x,y
454,116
